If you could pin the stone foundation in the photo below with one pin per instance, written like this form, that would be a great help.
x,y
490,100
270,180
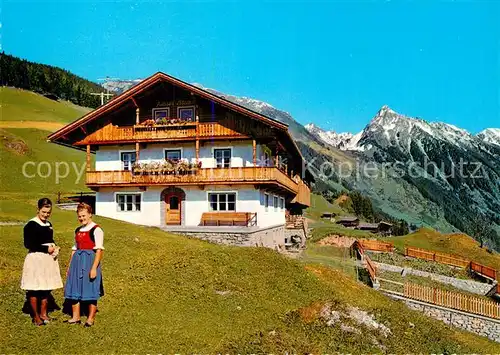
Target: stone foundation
x,y
295,232
270,237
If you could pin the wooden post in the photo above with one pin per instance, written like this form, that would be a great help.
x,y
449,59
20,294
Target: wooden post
x,y
197,150
137,151
137,115
88,157
254,145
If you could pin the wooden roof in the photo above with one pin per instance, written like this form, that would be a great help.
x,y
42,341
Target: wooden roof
x,y
147,83
384,223
348,219
368,226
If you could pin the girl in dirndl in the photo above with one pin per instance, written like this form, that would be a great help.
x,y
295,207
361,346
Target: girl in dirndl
x,y
41,272
84,278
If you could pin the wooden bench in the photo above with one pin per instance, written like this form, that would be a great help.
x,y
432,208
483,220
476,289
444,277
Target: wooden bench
x,y
228,219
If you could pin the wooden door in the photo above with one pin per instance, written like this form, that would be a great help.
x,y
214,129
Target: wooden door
x,y
173,209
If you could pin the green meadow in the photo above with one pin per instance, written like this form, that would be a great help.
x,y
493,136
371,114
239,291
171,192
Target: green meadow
x,y
166,293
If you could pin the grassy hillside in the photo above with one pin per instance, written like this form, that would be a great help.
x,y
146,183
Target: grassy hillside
x,y
49,167
46,163
22,105
166,293
454,243
319,205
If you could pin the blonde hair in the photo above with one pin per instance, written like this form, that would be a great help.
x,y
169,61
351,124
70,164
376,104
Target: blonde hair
x,y
84,206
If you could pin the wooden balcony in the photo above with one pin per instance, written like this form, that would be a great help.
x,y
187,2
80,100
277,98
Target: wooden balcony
x,y
303,194
223,129
207,176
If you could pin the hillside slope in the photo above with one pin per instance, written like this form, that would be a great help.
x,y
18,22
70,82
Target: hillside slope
x,y
29,164
167,293
48,80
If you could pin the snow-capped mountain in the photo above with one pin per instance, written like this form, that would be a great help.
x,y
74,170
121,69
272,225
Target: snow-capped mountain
x,y
118,86
490,135
452,169
343,141
392,128
389,128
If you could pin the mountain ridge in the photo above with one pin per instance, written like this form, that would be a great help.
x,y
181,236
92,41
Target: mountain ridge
x,y
387,119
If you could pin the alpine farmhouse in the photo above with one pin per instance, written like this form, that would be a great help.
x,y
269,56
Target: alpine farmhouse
x,y
172,155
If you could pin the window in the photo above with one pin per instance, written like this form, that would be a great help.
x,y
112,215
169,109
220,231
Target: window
x,y
222,158
128,202
266,202
222,201
282,203
161,112
173,154
185,113
127,158
174,202
275,203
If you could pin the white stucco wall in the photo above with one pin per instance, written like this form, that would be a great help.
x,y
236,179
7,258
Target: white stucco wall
x,y
108,157
270,217
150,205
248,199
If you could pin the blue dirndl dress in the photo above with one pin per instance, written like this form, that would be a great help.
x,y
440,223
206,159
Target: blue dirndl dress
x,y
79,286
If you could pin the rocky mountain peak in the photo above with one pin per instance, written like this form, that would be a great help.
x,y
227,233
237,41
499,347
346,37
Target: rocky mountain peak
x,y
490,135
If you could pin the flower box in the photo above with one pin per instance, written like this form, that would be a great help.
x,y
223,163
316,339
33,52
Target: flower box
x,y
165,167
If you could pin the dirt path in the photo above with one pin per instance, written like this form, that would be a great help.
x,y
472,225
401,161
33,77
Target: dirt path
x,y
46,126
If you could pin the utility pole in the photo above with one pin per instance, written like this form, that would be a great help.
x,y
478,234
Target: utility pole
x,y
102,94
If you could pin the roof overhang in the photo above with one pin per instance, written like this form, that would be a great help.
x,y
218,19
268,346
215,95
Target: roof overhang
x,y
147,83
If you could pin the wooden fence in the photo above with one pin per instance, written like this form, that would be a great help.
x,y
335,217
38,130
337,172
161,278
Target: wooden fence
x,y
450,259
453,300
376,245
370,266
357,247
483,270
443,258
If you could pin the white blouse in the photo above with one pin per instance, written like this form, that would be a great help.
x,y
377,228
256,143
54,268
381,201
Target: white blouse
x,y
39,221
98,236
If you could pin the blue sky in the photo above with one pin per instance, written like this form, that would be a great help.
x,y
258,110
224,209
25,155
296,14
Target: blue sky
x,y
331,63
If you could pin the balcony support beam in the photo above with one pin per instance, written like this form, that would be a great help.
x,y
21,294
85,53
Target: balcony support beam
x,y
88,157
254,147
137,151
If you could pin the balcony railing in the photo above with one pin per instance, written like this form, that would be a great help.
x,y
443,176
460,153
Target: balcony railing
x,y
303,194
202,176
226,128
